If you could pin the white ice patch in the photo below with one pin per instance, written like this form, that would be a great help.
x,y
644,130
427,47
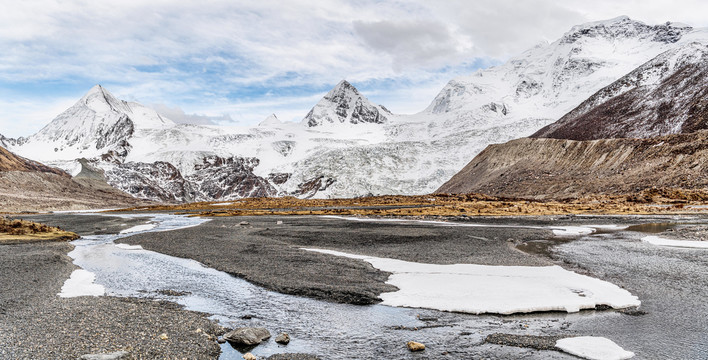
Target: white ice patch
x,y
138,228
609,227
572,230
655,240
80,283
593,348
221,204
129,247
479,289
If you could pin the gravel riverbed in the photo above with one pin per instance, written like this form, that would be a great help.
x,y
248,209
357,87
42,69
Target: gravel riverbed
x,y
37,324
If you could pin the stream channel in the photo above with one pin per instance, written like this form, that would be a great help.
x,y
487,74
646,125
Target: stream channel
x,y
671,283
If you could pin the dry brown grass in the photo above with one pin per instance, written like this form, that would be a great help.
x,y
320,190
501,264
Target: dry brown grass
x,y
673,201
18,231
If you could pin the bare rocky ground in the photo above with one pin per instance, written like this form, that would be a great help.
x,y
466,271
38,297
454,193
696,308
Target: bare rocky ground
x,y
41,191
37,324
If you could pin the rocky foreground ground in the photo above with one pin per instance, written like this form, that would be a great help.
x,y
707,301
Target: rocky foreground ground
x,y
37,324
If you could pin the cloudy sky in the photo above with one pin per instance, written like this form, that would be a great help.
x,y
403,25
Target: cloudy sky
x,y
236,62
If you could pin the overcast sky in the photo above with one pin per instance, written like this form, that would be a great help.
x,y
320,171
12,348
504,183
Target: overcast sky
x,y
236,62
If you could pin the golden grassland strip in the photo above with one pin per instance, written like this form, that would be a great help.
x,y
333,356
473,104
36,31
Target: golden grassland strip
x,y
475,209
650,201
21,231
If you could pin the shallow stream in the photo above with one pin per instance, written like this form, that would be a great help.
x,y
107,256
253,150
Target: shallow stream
x,y
672,285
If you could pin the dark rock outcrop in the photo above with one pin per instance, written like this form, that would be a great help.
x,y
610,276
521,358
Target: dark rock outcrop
x,y
216,178
229,178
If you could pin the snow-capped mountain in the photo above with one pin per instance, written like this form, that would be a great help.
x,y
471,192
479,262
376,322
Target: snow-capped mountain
x,y
346,146
97,125
667,95
344,104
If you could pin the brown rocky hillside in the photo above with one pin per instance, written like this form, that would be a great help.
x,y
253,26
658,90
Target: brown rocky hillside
x,y
12,162
27,185
555,168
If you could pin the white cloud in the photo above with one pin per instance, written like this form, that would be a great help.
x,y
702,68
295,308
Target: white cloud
x,y
224,55
178,115
24,117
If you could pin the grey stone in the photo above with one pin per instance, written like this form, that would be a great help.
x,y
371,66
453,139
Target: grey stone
x,y
283,338
247,336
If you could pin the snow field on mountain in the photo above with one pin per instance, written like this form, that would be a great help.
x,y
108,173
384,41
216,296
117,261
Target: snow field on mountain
x,y
480,289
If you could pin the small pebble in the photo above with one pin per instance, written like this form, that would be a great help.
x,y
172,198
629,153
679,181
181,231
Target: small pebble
x,y
283,338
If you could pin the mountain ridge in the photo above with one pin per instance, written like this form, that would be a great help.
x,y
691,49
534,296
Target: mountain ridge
x,y
356,148
663,96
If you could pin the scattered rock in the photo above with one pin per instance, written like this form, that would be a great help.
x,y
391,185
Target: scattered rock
x,y
118,355
283,338
249,356
220,340
415,346
524,341
163,336
247,336
633,312
279,222
169,292
243,223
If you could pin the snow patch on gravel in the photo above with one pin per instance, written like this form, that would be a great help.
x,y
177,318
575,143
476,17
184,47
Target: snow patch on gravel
x,y
80,283
129,247
479,289
655,240
593,348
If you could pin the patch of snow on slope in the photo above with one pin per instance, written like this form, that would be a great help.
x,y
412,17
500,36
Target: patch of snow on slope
x,y
593,348
479,289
